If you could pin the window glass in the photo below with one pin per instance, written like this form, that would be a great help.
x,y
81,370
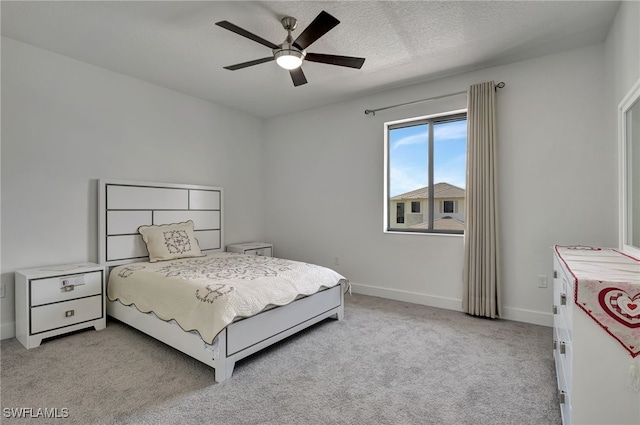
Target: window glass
x,y
426,166
400,213
448,207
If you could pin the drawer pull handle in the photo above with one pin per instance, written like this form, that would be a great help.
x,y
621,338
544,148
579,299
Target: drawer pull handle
x,y
562,396
563,348
555,274
563,299
69,313
69,288
555,309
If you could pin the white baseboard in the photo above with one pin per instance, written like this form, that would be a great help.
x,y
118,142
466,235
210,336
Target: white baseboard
x,y
410,297
527,316
508,313
7,330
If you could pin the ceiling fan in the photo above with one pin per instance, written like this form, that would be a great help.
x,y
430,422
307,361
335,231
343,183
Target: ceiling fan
x,y
290,54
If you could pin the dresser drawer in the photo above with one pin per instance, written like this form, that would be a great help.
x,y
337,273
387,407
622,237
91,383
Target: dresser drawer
x,y
55,289
565,410
66,313
564,390
556,356
562,377
565,353
564,350
568,306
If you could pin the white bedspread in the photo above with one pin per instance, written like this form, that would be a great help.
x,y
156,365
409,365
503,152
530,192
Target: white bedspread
x,y
206,294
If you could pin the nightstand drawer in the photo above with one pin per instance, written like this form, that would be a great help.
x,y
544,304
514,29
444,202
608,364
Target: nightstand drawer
x,y
63,288
264,252
262,249
66,313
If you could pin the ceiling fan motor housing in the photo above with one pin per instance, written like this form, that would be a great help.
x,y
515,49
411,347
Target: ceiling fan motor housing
x,y
289,23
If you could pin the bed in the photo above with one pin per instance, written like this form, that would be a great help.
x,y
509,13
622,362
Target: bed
x,y
303,294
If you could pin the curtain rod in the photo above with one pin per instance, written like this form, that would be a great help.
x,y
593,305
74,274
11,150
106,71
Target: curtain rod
x,y
373,111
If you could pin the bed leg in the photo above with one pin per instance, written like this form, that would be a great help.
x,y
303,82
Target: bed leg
x,y
224,370
223,366
340,313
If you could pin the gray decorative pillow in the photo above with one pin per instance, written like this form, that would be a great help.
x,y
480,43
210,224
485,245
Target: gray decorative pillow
x,y
170,241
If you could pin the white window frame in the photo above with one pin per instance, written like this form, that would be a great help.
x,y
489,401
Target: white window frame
x,y
386,213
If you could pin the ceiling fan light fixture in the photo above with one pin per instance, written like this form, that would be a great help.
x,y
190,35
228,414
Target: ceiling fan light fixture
x,y
289,58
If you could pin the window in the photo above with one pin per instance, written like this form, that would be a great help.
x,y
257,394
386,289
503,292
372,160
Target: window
x,y
400,213
448,206
425,164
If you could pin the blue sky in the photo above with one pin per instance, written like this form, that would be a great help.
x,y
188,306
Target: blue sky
x,y
408,156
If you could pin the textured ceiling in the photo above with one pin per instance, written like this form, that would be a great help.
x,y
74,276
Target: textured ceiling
x,y
175,44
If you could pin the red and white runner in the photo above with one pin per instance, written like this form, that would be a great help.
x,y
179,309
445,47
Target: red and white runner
x,y
607,288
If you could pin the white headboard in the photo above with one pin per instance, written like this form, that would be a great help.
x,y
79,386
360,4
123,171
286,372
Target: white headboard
x,y
123,206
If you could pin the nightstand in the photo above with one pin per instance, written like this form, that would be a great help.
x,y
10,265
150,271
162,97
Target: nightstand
x,y
252,248
56,300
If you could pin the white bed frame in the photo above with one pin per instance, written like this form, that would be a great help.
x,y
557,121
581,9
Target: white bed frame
x,y
125,205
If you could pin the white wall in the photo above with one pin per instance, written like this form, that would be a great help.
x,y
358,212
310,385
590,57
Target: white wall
x,y
557,177
66,123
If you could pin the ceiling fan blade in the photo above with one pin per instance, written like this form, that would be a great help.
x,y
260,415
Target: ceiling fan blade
x,y
316,29
298,77
348,61
234,28
250,63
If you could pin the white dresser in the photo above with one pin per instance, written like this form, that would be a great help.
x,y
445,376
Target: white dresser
x,y
592,367
55,300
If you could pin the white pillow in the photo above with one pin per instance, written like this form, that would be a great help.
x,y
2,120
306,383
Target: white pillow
x,y
170,241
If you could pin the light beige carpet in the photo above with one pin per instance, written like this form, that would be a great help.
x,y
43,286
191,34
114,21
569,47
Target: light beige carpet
x,y
387,362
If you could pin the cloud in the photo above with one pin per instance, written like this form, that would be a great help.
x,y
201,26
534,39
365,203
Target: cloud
x,y
450,131
414,139
403,181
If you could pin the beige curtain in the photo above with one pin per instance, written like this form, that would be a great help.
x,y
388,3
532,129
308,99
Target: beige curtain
x,y
481,295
